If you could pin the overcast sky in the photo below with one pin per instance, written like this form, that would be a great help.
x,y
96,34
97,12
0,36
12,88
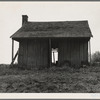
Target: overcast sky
x,y
11,19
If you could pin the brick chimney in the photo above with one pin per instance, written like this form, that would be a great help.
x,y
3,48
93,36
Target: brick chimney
x,y
24,19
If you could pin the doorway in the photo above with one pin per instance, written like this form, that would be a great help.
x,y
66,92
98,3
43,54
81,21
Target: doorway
x,y
54,56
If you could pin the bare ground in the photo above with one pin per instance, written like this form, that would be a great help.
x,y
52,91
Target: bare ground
x,y
53,80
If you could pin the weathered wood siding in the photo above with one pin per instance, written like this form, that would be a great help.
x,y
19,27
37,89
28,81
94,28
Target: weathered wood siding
x,y
36,53
33,53
22,58
64,51
74,51
85,52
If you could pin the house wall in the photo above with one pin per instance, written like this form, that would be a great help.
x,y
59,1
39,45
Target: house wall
x,y
33,53
74,51
36,53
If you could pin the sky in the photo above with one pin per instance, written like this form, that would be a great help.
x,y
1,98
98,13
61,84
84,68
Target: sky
x,y
11,20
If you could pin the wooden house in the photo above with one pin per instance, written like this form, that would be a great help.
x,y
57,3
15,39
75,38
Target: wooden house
x,y
37,39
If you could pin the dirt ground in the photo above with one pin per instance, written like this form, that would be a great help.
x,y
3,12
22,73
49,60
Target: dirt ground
x,y
53,80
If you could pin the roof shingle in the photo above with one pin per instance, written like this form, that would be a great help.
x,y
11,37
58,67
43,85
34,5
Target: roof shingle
x,y
53,29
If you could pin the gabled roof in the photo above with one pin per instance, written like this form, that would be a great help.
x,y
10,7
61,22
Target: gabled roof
x,y
53,29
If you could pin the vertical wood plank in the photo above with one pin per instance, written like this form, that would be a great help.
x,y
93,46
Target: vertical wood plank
x,y
25,53
20,57
50,53
86,51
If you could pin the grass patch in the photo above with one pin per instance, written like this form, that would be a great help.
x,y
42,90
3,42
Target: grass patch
x,y
53,80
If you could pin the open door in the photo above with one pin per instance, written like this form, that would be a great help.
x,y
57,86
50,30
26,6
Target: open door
x,y
54,56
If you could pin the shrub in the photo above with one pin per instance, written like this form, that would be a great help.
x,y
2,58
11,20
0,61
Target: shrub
x,y
96,57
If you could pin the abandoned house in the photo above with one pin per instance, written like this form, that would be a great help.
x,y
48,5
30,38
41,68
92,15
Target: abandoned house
x,y
38,42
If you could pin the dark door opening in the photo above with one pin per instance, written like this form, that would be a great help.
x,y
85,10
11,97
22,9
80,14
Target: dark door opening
x,y
54,56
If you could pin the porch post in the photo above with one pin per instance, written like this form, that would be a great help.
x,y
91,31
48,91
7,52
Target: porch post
x,y
12,49
90,51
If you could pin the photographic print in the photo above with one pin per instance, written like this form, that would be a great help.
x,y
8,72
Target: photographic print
x,y
49,47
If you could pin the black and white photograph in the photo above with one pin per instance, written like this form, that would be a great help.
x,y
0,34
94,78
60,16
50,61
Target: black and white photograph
x,y
49,47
